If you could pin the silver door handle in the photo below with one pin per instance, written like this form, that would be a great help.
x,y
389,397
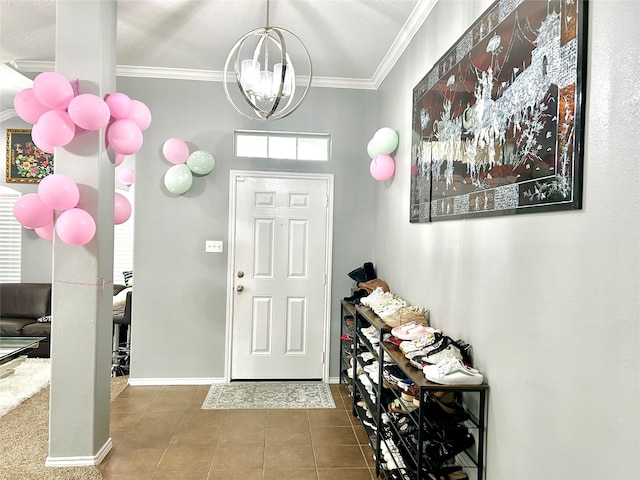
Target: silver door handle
x,y
240,274
239,288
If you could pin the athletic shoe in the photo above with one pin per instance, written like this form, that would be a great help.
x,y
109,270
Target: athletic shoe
x,y
452,372
451,351
411,331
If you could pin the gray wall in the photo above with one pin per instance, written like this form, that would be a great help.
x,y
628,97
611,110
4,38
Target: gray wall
x,y
179,308
549,301
37,254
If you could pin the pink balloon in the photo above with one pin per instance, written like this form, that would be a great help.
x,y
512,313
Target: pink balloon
x,y
140,114
56,128
31,212
52,90
119,159
126,176
89,111
382,167
41,144
46,232
119,104
121,209
124,136
175,150
27,106
58,192
75,227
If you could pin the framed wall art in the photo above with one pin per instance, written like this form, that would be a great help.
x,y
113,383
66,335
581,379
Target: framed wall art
x,y
498,122
26,163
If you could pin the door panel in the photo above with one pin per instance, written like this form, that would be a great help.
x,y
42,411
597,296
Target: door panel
x,y
261,326
280,243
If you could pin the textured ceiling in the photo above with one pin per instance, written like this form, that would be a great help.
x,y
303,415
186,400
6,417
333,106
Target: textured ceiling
x,y
352,43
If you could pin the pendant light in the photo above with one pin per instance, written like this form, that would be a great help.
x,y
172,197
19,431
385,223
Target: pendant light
x,y
265,74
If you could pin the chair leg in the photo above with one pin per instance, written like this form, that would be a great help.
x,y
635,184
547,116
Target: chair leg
x,y
116,337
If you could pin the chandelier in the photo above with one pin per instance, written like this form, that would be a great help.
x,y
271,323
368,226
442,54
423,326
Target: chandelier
x,y
265,74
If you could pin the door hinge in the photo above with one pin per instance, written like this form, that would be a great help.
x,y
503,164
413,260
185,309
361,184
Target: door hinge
x,y
324,357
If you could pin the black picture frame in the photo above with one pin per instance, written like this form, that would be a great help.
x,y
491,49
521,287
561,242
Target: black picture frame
x,y
498,122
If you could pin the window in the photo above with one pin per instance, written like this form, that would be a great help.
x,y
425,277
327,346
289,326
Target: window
x,y
10,237
282,145
123,244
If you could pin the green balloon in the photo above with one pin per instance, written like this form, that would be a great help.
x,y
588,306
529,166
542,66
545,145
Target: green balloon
x,y
178,179
201,162
373,149
387,140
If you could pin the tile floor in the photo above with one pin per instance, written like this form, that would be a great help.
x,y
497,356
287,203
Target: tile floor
x,y
160,433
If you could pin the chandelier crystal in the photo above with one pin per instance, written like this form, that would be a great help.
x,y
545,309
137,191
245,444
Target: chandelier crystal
x,y
264,74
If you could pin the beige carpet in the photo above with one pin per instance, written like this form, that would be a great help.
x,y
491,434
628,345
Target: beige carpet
x,y
24,441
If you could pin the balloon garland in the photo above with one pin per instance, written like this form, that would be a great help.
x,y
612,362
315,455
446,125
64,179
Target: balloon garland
x,y
179,178
58,112
380,148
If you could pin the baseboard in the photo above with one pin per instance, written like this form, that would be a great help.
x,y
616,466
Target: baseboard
x,y
176,381
334,380
80,461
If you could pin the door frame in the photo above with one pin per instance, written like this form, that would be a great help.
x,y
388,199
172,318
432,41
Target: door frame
x,y
328,179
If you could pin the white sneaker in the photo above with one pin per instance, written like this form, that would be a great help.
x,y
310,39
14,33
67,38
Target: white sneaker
x,y
452,372
451,351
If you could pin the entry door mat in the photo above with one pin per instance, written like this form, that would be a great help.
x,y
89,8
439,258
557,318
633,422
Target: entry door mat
x,y
267,395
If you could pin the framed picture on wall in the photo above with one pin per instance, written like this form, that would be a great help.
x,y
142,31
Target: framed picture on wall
x,y
26,163
498,122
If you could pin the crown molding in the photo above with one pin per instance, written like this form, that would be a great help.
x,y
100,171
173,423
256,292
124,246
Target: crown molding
x,y
195,75
420,13
35,66
7,114
418,16
168,73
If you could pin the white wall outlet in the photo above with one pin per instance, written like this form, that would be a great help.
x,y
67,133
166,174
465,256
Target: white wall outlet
x,y
214,246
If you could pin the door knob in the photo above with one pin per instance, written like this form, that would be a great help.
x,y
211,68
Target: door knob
x,y
239,288
240,274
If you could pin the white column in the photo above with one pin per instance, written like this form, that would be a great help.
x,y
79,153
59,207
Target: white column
x,y
82,275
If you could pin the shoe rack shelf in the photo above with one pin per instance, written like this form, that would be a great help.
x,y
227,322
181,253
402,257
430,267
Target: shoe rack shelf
x,y
426,440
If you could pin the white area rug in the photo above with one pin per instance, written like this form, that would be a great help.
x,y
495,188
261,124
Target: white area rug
x,y
268,395
29,378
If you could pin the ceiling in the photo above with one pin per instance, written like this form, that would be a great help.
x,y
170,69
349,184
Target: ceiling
x,y
352,43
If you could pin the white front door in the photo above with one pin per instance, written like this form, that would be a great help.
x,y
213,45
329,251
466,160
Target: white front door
x,y
279,261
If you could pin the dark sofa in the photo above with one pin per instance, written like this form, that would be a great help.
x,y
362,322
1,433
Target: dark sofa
x,y
21,304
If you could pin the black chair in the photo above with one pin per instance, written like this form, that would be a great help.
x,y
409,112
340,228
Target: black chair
x,y
121,350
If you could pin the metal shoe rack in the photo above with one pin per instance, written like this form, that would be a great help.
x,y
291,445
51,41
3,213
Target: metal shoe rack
x,y
431,444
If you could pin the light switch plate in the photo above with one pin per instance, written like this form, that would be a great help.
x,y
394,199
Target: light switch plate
x,y
213,246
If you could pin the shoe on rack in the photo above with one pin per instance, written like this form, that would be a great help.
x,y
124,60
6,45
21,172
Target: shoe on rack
x,y
357,295
444,397
363,274
444,414
450,351
346,337
411,331
401,406
453,472
452,372
446,443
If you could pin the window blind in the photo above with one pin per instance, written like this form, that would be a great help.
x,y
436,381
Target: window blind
x,y
10,237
